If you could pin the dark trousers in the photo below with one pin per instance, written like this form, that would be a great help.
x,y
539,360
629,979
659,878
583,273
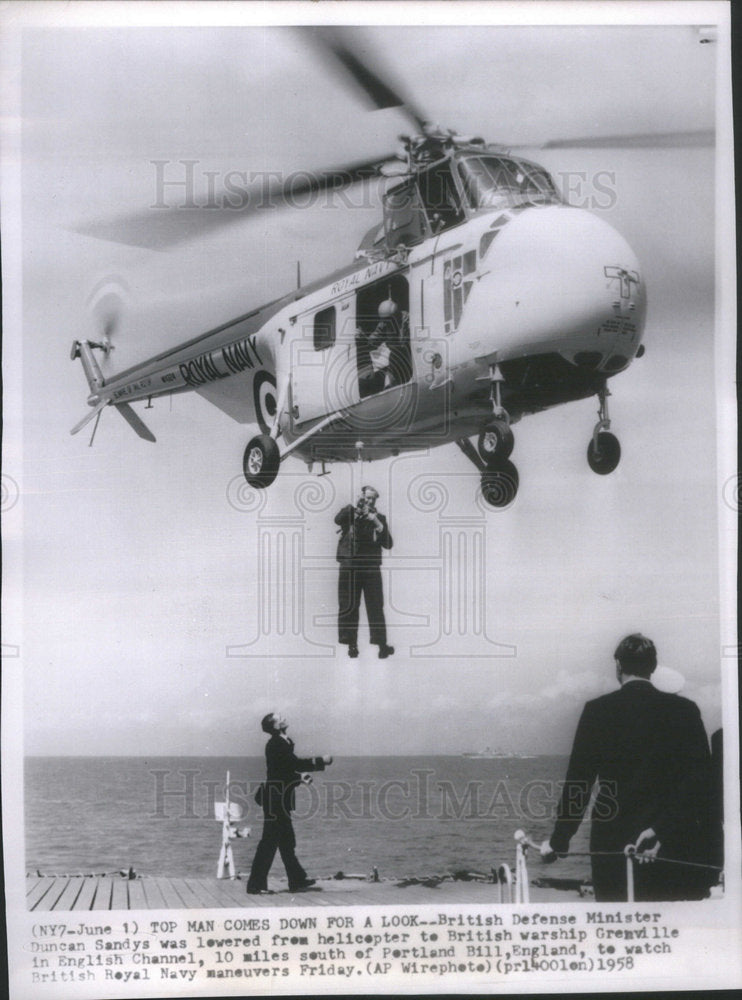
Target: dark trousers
x,y
354,582
278,834
609,879
654,882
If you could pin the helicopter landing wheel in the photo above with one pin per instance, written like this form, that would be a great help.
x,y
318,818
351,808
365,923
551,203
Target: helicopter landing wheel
x,y
604,453
261,461
500,484
495,442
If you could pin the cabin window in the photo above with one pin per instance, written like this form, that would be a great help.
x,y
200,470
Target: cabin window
x,y
459,274
324,329
499,182
440,197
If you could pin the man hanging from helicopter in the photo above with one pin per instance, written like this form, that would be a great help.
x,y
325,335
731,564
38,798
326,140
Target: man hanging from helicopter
x,y
364,533
384,353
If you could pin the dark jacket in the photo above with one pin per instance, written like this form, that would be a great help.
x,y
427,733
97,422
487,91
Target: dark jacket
x,y
649,753
284,771
360,543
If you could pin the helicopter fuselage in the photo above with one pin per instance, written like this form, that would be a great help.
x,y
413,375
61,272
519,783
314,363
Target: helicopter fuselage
x,y
507,302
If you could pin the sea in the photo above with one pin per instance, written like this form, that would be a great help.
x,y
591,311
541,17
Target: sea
x,y
405,817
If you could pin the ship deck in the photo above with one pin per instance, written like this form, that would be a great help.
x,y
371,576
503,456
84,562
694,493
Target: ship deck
x,y
64,893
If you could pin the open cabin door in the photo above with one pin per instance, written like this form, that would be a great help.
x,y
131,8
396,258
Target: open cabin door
x,y
383,349
324,374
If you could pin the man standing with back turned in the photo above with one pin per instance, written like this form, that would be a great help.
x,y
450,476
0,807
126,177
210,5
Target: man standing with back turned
x,y
277,795
649,753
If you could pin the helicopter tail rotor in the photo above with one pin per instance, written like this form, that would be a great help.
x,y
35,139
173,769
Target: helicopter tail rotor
x,y
99,399
105,303
106,306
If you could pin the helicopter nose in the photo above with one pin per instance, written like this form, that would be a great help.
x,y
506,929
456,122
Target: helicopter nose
x,y
556,279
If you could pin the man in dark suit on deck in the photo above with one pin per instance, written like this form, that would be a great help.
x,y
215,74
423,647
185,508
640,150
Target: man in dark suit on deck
x,y
277,797
649,754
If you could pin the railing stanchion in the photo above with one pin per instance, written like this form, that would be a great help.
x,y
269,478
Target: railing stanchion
x,y
629,874
506,884
522,890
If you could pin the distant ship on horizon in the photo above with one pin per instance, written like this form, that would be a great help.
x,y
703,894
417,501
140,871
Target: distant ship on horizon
x,y
489,754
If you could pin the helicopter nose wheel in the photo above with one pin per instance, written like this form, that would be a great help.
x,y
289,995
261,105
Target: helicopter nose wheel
x,y
500,484
261,461
604,453
604,449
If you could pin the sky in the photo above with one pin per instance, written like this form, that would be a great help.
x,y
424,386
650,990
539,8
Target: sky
x,y
149,622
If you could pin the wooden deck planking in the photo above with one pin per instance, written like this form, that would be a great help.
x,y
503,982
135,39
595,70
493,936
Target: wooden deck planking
x,y
78,893
418,895
32,882
318,897
87,894
137,898
192,899
103,892
120,894
56,893
236,892
363,898
38,893
71,891
153,894
225,889
171,897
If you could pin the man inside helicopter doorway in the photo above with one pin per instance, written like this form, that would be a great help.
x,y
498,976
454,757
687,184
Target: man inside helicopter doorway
x,y
384,352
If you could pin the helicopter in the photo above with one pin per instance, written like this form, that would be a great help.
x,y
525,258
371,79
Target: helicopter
x,y
480,297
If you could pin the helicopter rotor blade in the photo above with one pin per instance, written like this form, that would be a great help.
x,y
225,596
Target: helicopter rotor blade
x,y
158,229
638,140
381,93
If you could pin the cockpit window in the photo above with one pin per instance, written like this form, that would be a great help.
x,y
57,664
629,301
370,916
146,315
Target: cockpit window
x,y
499,182
427,204
440,196
404,219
